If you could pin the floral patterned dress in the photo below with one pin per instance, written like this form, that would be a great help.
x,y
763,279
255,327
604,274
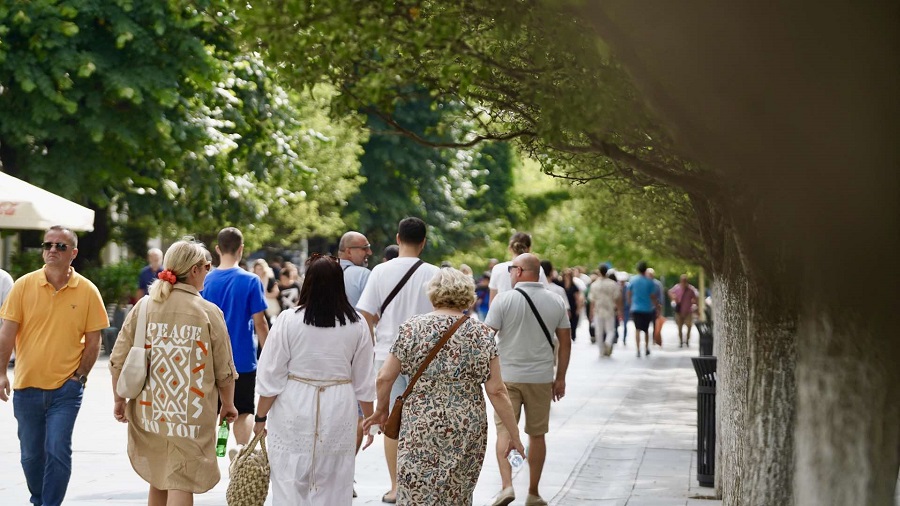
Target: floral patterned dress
x,y
443,434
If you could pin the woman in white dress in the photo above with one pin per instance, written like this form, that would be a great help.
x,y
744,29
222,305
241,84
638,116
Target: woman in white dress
x,y
316,365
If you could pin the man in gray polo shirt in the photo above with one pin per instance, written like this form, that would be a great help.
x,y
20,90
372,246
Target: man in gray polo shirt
x,y
354,251
526,363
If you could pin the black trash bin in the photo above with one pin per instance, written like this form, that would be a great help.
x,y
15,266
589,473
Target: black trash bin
x,y
705,367
706,338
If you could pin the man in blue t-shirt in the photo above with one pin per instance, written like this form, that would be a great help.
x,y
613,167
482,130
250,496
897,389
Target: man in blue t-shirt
x,y
241,297
643,299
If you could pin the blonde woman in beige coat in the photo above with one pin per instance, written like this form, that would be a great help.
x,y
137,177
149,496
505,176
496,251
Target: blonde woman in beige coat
x,y
172,423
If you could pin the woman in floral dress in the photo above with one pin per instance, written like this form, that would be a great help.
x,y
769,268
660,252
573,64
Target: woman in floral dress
x,y
443,434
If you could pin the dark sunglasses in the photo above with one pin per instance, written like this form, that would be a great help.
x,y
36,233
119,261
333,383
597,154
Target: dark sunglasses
x,y
367,246
60,246
511,267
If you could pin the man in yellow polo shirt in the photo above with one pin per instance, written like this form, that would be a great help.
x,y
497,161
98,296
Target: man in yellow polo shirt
x,y
53,316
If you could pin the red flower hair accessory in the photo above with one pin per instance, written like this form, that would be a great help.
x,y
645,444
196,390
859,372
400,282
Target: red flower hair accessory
x,y
167,275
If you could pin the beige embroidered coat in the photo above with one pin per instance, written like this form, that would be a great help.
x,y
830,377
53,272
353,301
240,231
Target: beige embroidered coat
x,y
172,424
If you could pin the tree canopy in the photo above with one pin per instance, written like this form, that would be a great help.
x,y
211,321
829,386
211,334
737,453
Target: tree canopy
x,y
153,113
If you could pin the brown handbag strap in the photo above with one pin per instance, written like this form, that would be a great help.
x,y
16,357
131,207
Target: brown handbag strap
x,y
434,351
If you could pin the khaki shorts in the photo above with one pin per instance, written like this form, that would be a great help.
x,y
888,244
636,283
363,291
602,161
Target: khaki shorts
x,y
686,319
536,398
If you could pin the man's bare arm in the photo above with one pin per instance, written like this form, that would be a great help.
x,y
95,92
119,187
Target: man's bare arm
x,y
91,352
372,320
261,325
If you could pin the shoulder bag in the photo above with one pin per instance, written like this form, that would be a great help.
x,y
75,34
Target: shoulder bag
x,y
134,371
391,428
399,286
539,319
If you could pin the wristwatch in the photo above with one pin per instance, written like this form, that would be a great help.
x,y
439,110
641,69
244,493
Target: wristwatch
x,y
260,419
82,378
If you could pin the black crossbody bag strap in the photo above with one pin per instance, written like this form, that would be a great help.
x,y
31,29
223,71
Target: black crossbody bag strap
x,y
538,316
399,286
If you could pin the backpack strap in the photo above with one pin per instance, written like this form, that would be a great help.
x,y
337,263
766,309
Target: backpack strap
x,y
538,316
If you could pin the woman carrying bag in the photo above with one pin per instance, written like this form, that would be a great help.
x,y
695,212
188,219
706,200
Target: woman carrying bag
x,y
172,421
443,430
316,366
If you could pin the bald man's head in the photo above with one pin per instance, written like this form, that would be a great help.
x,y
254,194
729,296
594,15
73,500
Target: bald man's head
x,y
530,267
355,248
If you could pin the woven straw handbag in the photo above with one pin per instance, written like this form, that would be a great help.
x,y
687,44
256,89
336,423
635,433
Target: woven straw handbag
x,y
249,472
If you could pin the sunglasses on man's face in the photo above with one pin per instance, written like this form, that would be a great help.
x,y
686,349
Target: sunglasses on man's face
x,y
60,246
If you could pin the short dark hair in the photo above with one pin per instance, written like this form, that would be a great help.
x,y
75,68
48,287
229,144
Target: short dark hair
x,y
411,230
642,266
391,252
547,267
230,240
603,270
325,279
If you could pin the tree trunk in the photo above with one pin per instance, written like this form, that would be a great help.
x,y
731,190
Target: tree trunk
x,y
732,351
848,414
771,331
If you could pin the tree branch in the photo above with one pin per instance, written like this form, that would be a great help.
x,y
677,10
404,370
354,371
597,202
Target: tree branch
x,y
388,119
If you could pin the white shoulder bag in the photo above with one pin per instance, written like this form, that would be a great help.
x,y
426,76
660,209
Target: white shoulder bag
x,y
134,372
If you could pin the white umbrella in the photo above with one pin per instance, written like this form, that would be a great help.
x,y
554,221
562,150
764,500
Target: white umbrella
x,y
25,206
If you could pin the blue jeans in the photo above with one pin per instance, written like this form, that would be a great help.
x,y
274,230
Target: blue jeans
x,y
46,419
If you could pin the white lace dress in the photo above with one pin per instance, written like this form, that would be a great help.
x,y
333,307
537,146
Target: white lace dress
x,y
317,374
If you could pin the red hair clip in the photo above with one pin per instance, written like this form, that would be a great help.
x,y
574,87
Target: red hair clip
x,y
167,275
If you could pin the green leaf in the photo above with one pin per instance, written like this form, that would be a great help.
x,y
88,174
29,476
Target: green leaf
x,y
68,28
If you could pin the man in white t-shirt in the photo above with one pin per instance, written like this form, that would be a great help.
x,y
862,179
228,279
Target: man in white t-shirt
x,y
526,364
410,300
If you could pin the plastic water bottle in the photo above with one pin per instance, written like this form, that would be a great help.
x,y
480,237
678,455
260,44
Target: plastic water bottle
x,y
515,459
222,442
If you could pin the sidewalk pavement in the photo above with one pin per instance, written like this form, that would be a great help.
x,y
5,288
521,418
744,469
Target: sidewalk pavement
x,y
624,435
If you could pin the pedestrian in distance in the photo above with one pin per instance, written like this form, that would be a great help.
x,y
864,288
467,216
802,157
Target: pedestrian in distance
x,y
149,272
685,297
390,252
270,284
519,243
443,432
607,303
642,298
396,291
53,317
574,297
314,370
172,423
241,297
531,323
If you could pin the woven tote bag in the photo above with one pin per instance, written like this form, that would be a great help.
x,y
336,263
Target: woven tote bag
x,y
249,472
